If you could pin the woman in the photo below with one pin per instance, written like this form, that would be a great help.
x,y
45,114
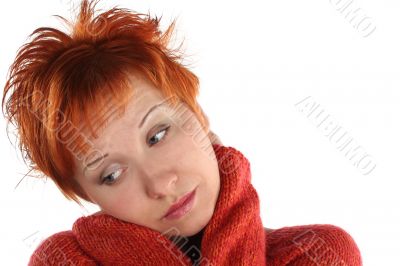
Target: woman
x,y
109,113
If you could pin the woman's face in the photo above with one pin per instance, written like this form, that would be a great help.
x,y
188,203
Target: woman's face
x,y
152,160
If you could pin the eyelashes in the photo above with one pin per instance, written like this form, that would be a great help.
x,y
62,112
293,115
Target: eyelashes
x,y
156,139
107,180
163,136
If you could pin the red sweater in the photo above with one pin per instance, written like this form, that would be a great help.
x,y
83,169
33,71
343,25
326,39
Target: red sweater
x,y
233,236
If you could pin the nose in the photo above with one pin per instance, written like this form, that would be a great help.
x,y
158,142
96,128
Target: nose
x,y
160,184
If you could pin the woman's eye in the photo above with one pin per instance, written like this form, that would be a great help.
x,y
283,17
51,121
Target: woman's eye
x,y
111,178
159,136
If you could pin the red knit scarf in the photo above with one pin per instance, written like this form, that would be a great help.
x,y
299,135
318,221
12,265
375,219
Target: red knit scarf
x,y
234,235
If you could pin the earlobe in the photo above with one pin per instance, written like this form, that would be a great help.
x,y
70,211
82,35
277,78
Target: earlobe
x,y
204,119
98,213
214,138
211,135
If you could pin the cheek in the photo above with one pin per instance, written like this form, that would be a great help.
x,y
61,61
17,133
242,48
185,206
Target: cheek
x,y
188,122
193,140
119,203
199,161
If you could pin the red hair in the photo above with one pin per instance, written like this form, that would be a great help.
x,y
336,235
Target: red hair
x,y
59,80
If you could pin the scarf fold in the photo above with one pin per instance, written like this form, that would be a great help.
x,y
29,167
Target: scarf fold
x,y
233,236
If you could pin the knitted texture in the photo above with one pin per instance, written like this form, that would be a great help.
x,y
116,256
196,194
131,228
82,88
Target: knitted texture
x,y
234,235
314,244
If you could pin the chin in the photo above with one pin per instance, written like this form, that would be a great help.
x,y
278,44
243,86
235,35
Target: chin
x,y
200,225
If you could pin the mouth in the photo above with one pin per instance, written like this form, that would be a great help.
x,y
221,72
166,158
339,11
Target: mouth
x,y
181,207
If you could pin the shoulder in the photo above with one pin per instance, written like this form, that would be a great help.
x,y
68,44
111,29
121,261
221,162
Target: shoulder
x,y
61,247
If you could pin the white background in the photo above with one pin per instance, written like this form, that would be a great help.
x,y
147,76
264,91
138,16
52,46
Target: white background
x,y
256,60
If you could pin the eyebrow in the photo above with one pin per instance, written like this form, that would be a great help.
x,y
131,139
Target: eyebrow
x,y
95,161
154,107
150,110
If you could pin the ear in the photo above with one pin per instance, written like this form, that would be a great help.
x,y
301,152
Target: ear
x,y
206,125
211,135
214,138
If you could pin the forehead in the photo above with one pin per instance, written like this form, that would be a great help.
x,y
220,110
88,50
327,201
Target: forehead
x,y
144,96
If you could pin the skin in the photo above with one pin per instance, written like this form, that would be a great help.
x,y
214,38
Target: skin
x,y
149,169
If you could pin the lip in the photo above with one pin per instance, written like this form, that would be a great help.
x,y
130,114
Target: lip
x,y
183,206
